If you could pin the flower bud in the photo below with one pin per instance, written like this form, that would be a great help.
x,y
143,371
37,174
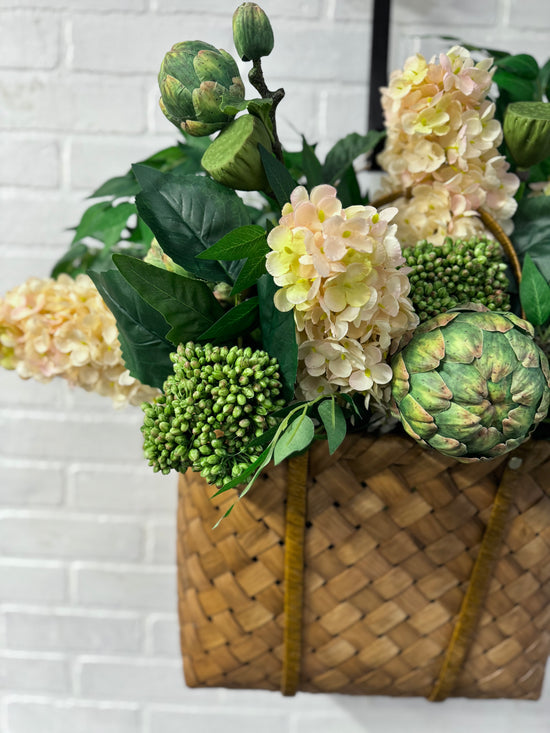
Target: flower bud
x,y
252,32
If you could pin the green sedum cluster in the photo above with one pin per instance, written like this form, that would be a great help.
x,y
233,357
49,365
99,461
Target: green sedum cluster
x,y
456,272
214,404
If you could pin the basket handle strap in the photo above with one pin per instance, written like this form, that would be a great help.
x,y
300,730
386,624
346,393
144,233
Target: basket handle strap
x,y
294,572
482,573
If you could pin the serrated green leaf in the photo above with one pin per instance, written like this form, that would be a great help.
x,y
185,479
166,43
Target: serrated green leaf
x,y
521,65
278,334
296,438
187,305
334,423
534,293
188,214
234,322
141,329
234,245
281,182
312,165
345,151
104,222
253,268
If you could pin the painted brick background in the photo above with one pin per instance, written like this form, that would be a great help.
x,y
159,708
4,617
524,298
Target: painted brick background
x,y
88,627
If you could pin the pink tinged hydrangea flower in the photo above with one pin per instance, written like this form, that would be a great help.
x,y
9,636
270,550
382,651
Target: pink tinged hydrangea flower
x,y
62,328
342,286
424,148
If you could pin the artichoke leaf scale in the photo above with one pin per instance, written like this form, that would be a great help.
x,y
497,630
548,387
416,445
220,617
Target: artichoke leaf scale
x,y
498,359
464,381
518,421
527,385
463,343
400,385
524,348
448,446
484,441
436,395
417,417
428,352
490,321
457,422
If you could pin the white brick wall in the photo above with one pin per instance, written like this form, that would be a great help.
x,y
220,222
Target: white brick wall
x,y
88,625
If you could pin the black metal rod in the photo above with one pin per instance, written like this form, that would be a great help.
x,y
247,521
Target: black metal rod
x,y
380,34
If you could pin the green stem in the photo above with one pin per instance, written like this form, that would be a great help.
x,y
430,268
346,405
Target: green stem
x,y
256,77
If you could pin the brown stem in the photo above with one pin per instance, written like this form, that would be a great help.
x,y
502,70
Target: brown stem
x,y
256,77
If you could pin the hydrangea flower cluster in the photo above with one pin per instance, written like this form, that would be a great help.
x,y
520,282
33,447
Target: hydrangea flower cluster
x,y
441,147
62,328
338,271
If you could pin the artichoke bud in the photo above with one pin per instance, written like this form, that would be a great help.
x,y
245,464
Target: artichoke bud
x,y
471,383
193,78
233,157
527,132
252,32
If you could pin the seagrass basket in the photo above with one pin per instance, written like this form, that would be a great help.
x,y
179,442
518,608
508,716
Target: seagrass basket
x,y
418,575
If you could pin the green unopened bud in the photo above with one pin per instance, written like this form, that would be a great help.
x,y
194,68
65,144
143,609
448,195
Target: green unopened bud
x,y
234,159
252,32
527,132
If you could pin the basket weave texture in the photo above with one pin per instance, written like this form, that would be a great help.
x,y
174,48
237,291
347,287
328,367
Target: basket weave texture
x,y
392,534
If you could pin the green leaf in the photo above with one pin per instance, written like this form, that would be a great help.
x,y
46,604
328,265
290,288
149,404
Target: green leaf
x,y
281,182
261,108
312,165
532,231
253,268
278,334
117,187
334,423
544,79
261,461
294,439
104,222
72,261
521,65
534,293
187,215
234,245
345,151
519,89
187,305
141,329
236,321
348,189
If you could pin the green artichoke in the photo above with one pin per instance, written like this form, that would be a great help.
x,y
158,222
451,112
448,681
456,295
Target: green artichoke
x,y
196,83
460,271
471,383
214,404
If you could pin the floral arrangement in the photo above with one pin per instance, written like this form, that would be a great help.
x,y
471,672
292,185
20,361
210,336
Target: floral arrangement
x,y
251,327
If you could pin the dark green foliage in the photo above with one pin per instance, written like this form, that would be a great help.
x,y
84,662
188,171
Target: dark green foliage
x,y
457,272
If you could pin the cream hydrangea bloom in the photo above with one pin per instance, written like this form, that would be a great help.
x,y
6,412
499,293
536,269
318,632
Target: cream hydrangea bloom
x,y
62,328
442,135
337,270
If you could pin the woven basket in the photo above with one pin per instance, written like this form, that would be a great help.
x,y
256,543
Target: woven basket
x,y
394,601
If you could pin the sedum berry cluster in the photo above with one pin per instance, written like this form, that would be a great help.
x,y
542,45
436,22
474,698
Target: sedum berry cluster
x,y
457,272
214,404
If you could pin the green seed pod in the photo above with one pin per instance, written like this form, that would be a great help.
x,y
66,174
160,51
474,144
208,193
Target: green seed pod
x,y
234,159
527,132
